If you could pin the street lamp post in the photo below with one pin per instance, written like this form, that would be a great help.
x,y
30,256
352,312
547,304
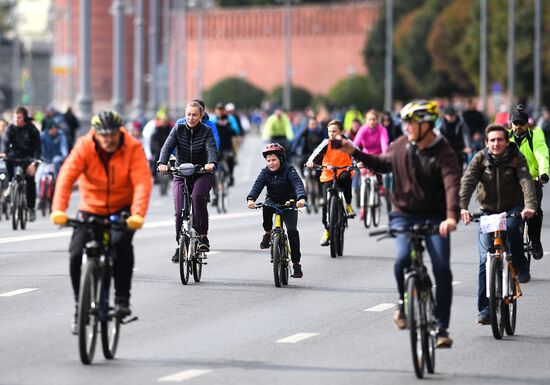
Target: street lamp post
x,y
511,54
117,10
138,60
153,57
388,83
84,98
287,94
537,58
483,57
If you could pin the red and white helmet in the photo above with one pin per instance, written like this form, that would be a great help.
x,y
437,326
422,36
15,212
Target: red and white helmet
x,y
273,148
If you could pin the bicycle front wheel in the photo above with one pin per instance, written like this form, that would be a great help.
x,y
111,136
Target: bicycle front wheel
x,y
415,324
428,338
276,254
495,298
88,311
367,212
110,326
376,207
334,226
197,268
184,259
15,203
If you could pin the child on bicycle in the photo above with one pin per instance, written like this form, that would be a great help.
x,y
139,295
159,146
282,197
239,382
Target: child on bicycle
x,y
328,156
283,184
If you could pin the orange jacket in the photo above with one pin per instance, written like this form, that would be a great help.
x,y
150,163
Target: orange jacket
x,y
329,157
126,183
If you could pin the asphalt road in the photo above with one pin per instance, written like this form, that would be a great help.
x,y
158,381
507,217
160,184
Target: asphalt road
x,y
235,327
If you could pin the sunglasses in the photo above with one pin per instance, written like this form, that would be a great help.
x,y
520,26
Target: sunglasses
x,y
519,123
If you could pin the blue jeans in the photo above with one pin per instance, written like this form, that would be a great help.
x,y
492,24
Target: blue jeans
x,y
439,249
514,243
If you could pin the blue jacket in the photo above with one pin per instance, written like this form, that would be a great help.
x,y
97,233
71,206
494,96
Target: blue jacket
x,y
282,185
53,146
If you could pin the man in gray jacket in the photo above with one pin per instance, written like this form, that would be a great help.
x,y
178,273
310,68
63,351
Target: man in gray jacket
x,y
505,185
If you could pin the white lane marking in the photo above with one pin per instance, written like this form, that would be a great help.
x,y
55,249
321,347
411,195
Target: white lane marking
x,y
22,238
296,338
381,307
185,375
17,292
456,283
151,225
212,253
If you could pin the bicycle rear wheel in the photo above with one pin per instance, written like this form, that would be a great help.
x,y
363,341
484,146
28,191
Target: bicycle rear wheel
x,y
495,298
367,212
414,322
110,326
428,340
184,259
88,311
276,255
334,226
510,309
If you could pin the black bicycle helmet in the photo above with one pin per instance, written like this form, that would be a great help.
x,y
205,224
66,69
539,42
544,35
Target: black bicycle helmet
x,y
107,122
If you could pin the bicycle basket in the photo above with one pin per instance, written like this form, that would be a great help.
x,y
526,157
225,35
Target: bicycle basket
x,y
186,169
492,223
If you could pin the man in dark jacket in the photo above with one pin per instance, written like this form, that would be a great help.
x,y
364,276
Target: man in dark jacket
x,y
283,184
505,185
457,133
426,184
22,140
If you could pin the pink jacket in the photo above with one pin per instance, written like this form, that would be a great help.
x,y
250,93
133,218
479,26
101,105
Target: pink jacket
x,y
372,141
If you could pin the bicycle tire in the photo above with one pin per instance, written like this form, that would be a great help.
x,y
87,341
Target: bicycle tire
x,y
341,229
310,198
414,322
429,337
23,213
197,268
276,255
284,270
88,311
376,208
367,212
510,309
334,226
110,326
6,210
15,208
184,259
495,298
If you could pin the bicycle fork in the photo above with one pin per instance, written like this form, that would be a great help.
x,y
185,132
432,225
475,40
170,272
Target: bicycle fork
x,y
507,270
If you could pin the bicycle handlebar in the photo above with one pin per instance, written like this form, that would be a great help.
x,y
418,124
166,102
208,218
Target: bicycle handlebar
x,y
183,169
321,167
476,217
288,205
413,230
113,221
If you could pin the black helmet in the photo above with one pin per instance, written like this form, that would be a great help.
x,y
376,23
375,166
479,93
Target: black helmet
x,y
107,122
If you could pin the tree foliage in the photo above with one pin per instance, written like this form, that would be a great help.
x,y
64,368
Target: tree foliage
x,y
235,90
357,90
300,97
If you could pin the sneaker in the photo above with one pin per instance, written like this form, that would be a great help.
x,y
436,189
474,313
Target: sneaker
x,y
297,271
349,211
204,243
361,213
32,215
231,181
442,339
266,241
524,276
538,253
483,319
399,319
325,238
176,257
122,307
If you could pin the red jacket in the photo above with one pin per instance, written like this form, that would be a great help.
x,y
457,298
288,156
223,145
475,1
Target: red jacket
x,y
126,183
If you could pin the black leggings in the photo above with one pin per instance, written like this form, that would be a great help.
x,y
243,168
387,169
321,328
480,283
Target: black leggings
x,y
122,253
290,219
344,182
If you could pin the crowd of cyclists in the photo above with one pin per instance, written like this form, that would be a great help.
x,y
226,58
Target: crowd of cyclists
x,y
438,156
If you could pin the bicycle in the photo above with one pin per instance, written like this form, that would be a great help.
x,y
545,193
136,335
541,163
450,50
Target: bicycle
x,y
503,287
280,248
221,186
418,298
337,217
4,191
96,304
190,257
311,178
46,189
370,199
18,194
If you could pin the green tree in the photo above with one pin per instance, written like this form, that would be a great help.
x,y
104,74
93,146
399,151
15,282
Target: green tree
x,y
235,90
301,98
356,90
375,50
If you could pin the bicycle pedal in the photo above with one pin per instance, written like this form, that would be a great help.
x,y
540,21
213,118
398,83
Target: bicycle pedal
x,y
127,321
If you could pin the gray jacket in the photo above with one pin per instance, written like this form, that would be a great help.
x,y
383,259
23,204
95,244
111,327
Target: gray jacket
x,y
504,182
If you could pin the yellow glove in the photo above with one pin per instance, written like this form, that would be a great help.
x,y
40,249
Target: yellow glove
x,y
134,222
58,217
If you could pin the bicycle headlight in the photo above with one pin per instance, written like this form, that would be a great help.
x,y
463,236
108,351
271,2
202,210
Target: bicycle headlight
x,y
2,176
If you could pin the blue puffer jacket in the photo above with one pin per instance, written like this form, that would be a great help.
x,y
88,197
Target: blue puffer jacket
x,y
282,185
